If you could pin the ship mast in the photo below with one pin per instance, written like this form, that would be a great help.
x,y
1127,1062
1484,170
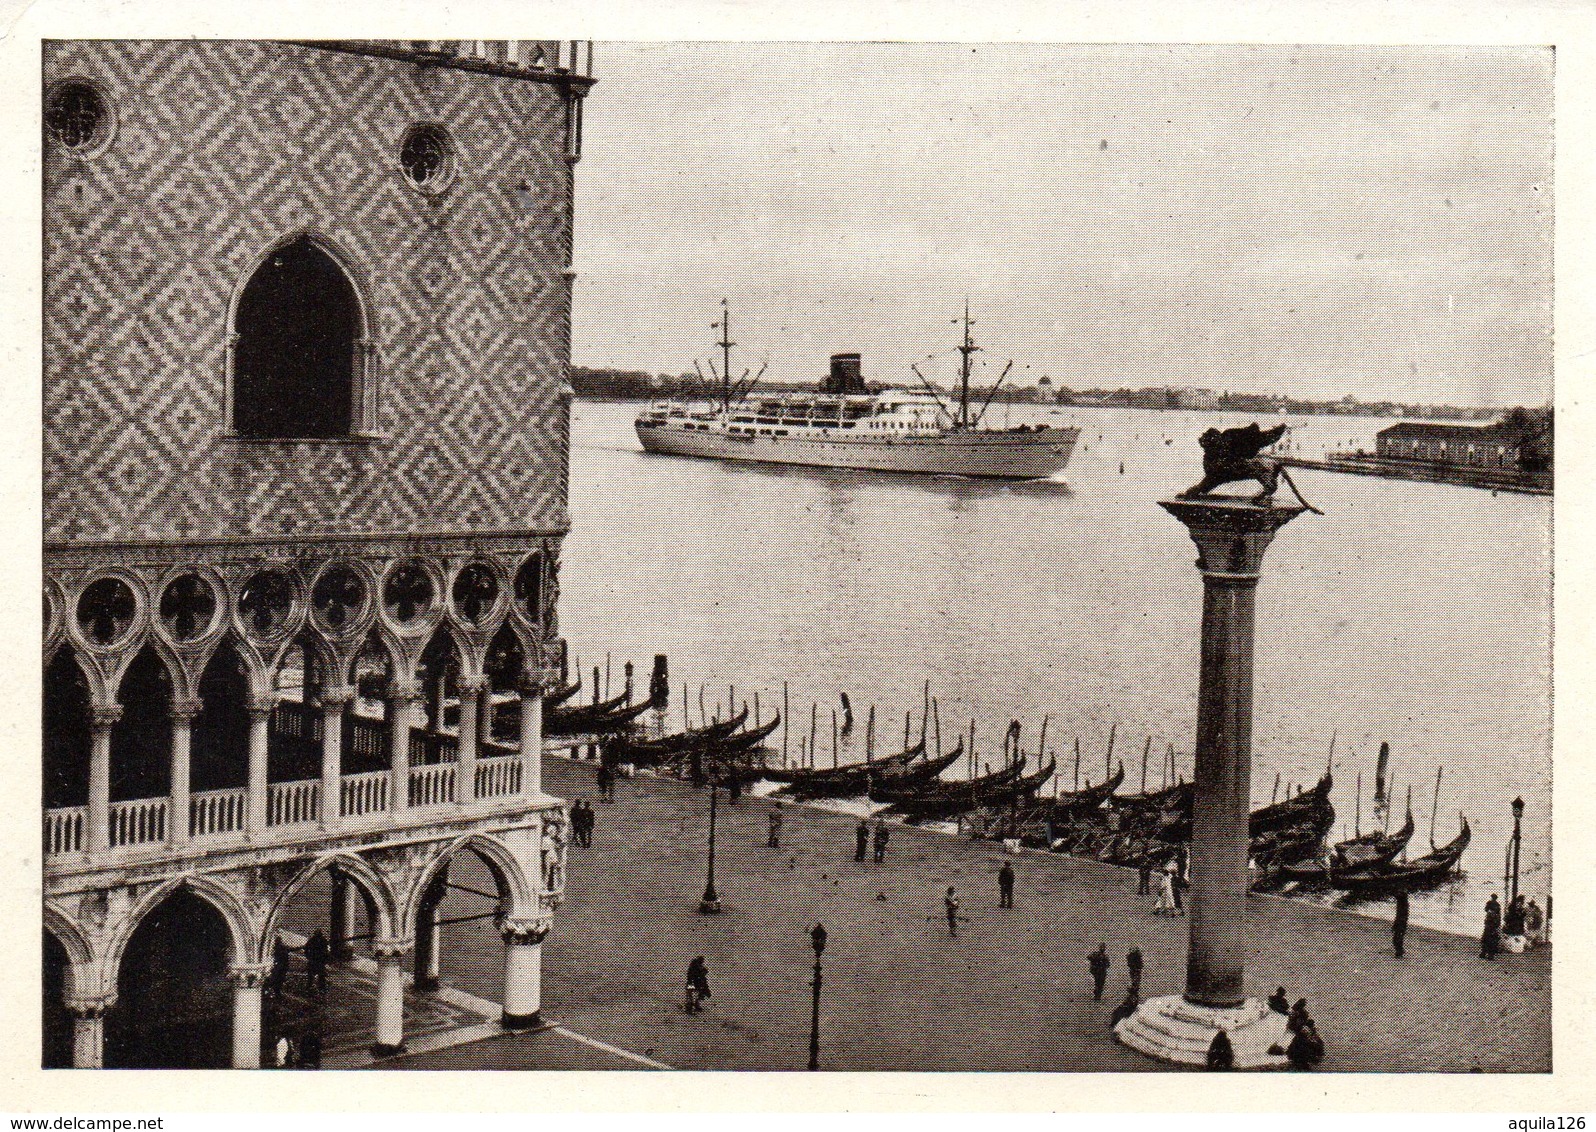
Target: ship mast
x,y
725,345
966,349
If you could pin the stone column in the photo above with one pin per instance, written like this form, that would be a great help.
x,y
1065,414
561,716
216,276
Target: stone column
x,y
523,972
341,917
1231,537
99,832
401,700
465,771
247,982
183,713
531,736
88,1029
260,716
485,716
334,702
390,956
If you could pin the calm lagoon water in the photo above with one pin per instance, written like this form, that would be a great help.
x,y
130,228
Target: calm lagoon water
x,y
1415,613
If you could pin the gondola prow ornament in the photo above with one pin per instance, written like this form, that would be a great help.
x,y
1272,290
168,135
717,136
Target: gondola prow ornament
x,y
1232,454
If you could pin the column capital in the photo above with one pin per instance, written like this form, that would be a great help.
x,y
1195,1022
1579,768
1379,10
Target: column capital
x,y
106,715
184,711
1231,534
391,950
471,685
249,975
336,697
538,681
260,706
404,692
91,1006
524,932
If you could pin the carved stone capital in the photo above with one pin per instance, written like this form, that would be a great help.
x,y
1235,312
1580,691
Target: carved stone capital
x,y
404,693
249,975
1231,534
336,697
524,932
184,711
106,716
391,950
91,1006
260,707
472,685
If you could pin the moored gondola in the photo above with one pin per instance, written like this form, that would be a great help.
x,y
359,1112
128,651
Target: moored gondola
x,y
944,800
1350,858
1428,869
847,771
652,752
1292,811
595,719
1067,807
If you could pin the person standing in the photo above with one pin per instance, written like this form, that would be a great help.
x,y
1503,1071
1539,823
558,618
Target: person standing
x,y
882,836
774,839
606,781
316,950
279,972
1491,937
1399,923
1177,886
1133,964
861,840
1534,921
1006,886
1144,878
1513,919
1098,961
950,905
1166,894
697,985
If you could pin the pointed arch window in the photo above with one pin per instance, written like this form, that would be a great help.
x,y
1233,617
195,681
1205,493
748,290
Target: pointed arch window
x,y
299,349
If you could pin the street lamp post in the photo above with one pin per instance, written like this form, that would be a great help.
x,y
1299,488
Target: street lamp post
x,y
817,940
710,902
1518,840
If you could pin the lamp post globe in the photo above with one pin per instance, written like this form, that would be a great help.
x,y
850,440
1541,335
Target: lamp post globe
x,y
817,940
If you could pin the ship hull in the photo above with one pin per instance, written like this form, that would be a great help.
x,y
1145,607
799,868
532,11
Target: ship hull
x,y
978,454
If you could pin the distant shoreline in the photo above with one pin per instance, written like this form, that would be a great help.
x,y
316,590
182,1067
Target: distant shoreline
x,y
1426,471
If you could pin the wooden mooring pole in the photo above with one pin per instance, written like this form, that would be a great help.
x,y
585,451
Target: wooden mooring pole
x,y
870,734
1147,749
786,718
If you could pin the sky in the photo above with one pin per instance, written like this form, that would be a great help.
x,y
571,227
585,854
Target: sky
x,y
1318,221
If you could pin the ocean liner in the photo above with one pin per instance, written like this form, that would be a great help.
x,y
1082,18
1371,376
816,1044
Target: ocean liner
x,y
845,425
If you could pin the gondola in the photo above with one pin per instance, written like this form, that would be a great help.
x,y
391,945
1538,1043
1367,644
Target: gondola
x,y
1350,858
1177,798
736,741
944,800
1431,867
595,719
652,752
1278,848
1290,812
558,696
1066,807
847,771
885,784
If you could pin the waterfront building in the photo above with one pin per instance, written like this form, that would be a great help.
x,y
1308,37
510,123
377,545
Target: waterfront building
x,y
1480,446
306,332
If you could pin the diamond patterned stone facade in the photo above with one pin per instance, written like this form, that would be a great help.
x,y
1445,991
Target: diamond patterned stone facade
x,y
224,149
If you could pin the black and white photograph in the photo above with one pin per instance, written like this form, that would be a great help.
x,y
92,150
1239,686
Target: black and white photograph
x,y
855,554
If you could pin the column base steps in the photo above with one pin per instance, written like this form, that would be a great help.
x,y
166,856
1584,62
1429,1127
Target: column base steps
x,y
1172,1029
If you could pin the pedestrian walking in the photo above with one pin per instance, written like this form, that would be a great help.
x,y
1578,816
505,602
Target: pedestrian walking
x,y
1006,886
1399,924
1491,937
774,840
883,834
606,781
316,950
1098,961
1179,885
697,985
1144,878
1133,964
861,840
950,905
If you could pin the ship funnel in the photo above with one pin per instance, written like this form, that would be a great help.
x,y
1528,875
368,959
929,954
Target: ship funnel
x,y
845,376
